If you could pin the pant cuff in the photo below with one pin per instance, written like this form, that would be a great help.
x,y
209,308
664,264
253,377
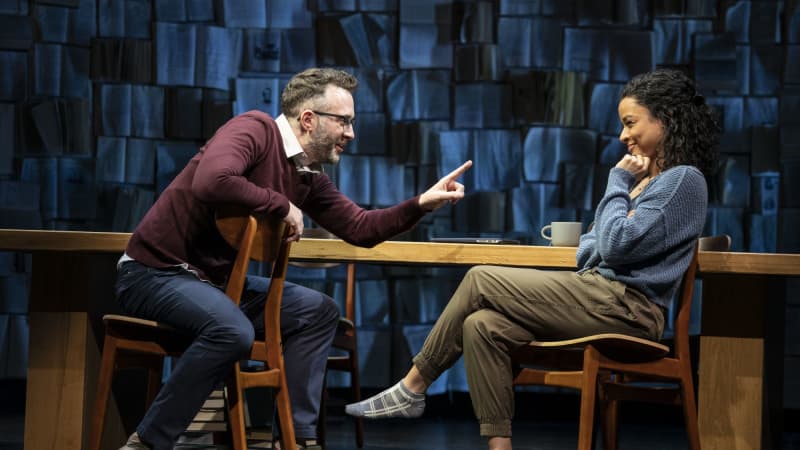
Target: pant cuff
x,y
305,433
428,373
497,429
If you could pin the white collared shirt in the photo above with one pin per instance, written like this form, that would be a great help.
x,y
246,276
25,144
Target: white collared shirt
x,y
294,151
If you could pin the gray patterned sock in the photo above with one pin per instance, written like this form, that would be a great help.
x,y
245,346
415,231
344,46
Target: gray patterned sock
x,y
397,401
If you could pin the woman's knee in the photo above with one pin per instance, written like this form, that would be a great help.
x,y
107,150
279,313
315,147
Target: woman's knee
x,y
487,328
477,273
477,325
479,279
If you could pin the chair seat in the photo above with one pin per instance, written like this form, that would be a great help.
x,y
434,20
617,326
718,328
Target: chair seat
x,y
344,340
619,347
345,337
119,320
339,362
146,332
345,324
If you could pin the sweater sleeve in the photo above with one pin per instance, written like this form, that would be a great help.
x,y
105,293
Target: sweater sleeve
x,y
354,224
221,178
649,229
586,248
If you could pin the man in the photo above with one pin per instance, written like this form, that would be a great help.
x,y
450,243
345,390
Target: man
x,y
176,262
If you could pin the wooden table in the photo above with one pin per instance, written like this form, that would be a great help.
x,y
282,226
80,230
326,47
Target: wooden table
x,y
741,349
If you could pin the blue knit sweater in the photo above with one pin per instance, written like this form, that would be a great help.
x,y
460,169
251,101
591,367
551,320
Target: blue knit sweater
x,y
650,250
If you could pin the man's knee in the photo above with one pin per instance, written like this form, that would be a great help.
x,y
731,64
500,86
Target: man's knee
x,y
236,338
329,310
245,338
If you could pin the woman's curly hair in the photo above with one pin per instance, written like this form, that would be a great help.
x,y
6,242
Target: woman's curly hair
x,y
691,129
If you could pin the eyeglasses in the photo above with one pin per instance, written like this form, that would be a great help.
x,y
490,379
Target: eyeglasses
x,y
344,121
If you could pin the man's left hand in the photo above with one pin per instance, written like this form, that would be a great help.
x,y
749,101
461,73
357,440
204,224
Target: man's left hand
x,y
445,190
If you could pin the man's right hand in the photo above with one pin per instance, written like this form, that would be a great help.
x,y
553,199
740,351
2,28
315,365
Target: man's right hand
x,y
295,220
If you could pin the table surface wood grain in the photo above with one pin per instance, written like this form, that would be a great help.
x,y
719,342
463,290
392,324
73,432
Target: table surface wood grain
x,y
405,252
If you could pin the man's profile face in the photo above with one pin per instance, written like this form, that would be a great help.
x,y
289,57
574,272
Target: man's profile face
x,y
334,127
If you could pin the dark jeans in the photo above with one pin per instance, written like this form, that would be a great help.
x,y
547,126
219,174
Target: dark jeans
x,y
224,334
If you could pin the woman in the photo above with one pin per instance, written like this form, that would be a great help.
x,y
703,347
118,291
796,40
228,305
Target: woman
x,y
631,263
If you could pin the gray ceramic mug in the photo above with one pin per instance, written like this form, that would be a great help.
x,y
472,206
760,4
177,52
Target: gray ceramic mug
x,y
563,234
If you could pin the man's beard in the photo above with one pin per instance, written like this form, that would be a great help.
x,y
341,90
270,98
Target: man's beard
x,y
322,148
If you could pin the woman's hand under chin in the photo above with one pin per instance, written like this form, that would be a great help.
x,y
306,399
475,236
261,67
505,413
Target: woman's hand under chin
x,y
637,165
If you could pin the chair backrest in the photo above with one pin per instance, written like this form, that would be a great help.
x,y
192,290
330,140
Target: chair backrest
x,y
718,243
268,234
684,307
260,238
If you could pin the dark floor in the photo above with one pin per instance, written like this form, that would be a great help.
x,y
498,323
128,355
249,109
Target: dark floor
x,y
544,421
462,434
436,433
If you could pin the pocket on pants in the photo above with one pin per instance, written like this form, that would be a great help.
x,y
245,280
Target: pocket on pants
x,y
649,315
605,296
129,274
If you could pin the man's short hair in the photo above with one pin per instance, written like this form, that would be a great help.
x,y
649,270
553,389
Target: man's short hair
x,y
311,83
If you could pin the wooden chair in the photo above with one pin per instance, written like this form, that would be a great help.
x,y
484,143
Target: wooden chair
x,y
643,389
616,365
131,341
345,339
718,243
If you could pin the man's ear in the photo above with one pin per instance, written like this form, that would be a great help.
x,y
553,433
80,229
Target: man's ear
x,y
306,120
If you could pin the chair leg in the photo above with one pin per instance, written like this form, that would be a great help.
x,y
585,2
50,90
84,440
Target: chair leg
x,y
355,392
609,411
591,364
154,374
236,411
690,411
103,392
285,416
610,424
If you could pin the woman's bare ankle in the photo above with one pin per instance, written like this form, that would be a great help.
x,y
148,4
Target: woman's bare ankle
x,y
414,382
499,443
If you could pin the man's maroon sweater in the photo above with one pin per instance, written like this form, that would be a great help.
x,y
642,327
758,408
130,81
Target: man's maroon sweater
x,y
245,164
